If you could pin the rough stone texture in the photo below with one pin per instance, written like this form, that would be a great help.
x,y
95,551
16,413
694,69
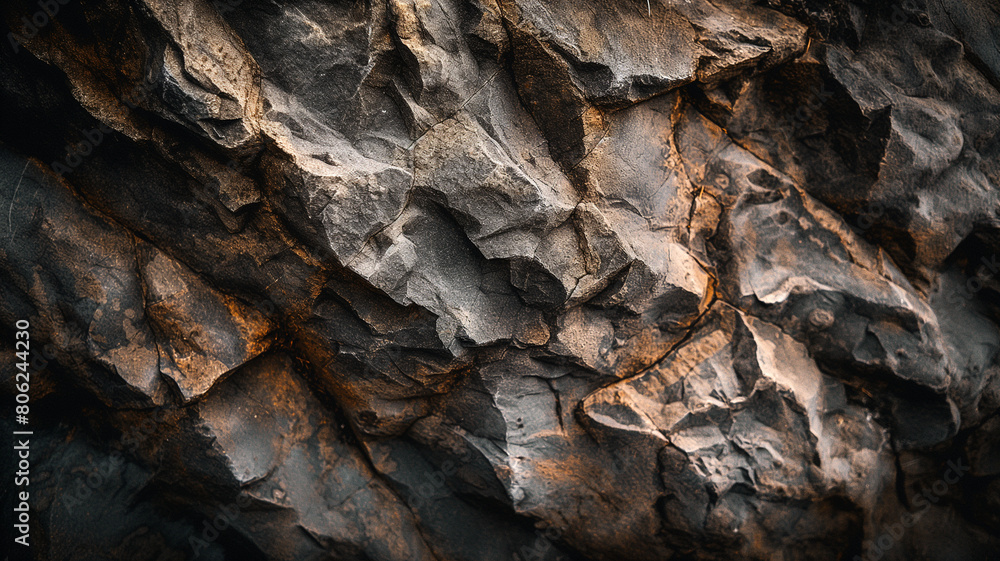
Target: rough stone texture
x,y
505,279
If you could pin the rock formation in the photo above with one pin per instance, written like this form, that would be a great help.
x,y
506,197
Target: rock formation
x,y
497,280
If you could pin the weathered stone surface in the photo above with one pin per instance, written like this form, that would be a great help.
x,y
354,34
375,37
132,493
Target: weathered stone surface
x,y
205,335
504,279
81,273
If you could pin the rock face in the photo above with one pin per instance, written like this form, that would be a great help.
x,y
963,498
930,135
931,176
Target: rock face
x,y
484,280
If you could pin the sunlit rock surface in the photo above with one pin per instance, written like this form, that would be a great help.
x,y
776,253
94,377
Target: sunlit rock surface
x,y
491,280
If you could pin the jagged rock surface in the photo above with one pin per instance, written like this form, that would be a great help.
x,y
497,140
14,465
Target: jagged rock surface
x,y
506,279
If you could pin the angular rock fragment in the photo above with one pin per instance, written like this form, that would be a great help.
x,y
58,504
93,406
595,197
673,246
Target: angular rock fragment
x,y
799,265
741,411
202,335
261,440
592,67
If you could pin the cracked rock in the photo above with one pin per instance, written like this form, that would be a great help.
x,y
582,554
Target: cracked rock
x,y
483,280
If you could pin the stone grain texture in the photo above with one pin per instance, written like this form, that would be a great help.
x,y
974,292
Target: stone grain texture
x,y
498,280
